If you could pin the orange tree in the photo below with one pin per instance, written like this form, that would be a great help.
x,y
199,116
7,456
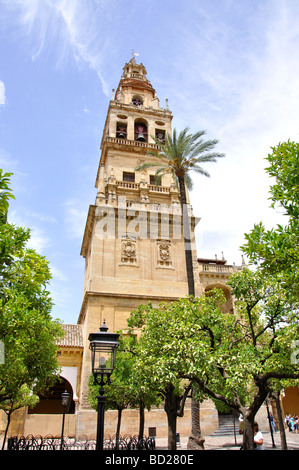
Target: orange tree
x,y
234,358
28,333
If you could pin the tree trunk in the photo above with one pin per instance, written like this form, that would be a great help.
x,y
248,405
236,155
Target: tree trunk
x,y
187,237
171,408
141,420
172,422
196,440
248,432
282,433
195,423
6,430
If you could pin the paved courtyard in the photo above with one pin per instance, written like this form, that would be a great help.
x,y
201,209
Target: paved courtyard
x,y
229,443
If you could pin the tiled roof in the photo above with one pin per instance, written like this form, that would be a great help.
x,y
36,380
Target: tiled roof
x,y
73,336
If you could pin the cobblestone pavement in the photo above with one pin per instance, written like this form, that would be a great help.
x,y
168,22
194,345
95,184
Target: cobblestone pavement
x,y
228,442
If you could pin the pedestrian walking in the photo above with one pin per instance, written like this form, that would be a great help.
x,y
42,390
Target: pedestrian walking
x,y
272,422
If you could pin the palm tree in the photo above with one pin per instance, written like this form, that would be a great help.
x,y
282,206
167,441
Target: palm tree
x,y
179,155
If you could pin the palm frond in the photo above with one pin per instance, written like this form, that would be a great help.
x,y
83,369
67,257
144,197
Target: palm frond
x,y
209,157
181,153
144,166
201,171
188,181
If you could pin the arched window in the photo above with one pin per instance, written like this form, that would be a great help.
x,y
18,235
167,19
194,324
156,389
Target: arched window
x,y
50,401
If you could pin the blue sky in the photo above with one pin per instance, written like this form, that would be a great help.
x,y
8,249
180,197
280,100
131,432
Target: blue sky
x,y
227,66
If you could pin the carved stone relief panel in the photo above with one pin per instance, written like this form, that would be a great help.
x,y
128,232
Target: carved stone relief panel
x,y
128,252
164,253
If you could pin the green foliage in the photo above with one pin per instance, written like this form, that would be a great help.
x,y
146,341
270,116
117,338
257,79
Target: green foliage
x,y
12,243
23,396
173,339
5,195
284,168
268,321
221,407
27,331
232,357
12,239
276,251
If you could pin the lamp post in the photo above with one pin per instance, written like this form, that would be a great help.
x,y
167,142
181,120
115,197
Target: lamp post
x,y
65,396
270,425
103,347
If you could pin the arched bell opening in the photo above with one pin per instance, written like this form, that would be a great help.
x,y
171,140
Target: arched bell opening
x,y
140,131
121,130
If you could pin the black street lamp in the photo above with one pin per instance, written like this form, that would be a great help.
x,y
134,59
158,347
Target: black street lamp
x,y
103,347
65,397
270,425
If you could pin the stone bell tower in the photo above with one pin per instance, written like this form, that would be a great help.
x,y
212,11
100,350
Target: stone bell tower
x,y
133,243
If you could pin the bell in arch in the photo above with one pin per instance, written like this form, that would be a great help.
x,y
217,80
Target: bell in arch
x,y
121,132
141,137
140,133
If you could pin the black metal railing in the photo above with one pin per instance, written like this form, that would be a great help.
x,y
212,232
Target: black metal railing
x,y
49,442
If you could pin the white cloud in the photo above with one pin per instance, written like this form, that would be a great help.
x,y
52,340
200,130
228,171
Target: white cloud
x,y
2,93
82,29
68,27
39,241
